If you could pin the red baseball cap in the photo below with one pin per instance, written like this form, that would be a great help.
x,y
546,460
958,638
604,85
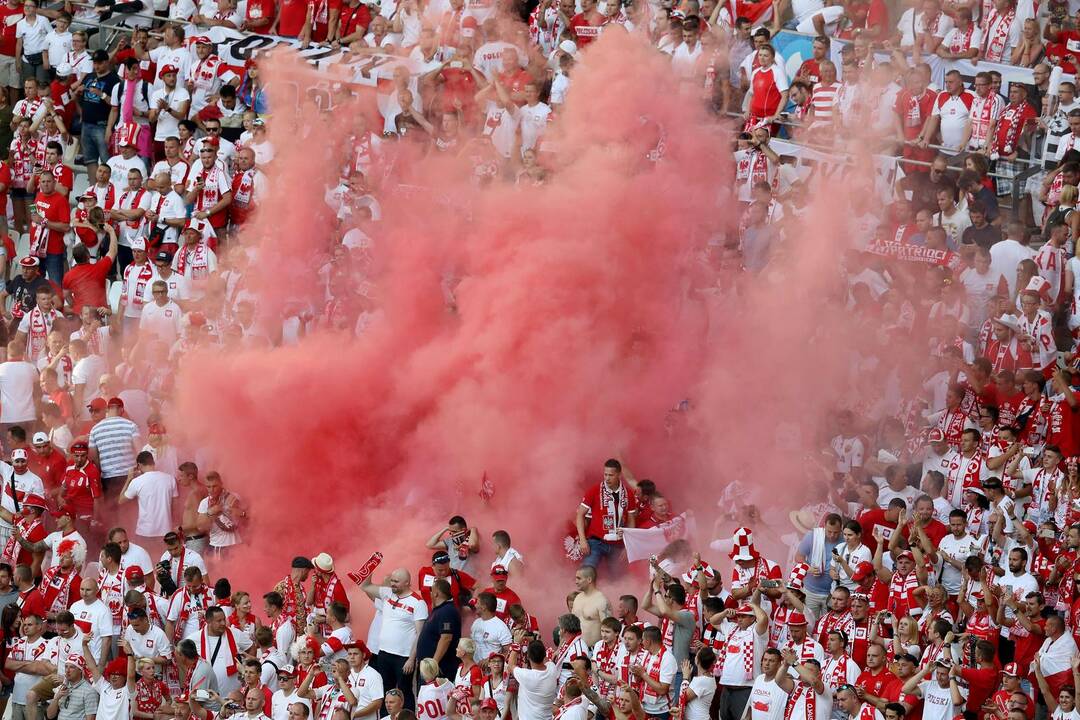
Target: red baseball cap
x,y
97,404
133,572
499,571
489,704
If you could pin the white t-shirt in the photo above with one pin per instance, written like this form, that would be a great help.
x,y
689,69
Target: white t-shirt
x,y
704,687
94,618
536,691
136,556
153,644
226,682
957,549
767,700
953,112
162,321
367,686
399,617
25,483
280,702
168,125
937,701
155,491
219,536
55,538
490,636
433,700
35,36
113,704
533,119
17,382
176,284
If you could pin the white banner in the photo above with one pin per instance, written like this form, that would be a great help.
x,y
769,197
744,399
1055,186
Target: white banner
x,y
643,544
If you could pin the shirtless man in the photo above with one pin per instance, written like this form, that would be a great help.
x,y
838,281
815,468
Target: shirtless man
x,y
192,491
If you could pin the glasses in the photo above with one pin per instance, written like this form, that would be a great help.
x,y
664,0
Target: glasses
x,y
394,693
213,129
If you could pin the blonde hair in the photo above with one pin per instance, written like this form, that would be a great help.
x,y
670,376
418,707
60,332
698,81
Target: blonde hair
x,y
429,669
467,645
143,662
239,594
1069,195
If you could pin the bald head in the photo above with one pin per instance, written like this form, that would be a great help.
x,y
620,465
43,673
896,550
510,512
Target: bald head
x,y
400,581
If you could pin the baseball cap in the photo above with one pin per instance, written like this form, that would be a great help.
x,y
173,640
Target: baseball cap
x,y
286,671
163,257
100,56
29,261
168,69
499,571
439,557
63,70
18,454
745,610
489,704
40,438
88,195
138,244
133,572
202,40
115,402
79,445
862,571
97,404
1011,669
63,512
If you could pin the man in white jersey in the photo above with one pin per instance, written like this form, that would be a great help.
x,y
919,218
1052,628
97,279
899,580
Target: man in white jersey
x,y
848,702
744,640
808,698
767,699
937,692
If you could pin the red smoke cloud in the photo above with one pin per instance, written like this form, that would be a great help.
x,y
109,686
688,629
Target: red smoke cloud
x,y
579,326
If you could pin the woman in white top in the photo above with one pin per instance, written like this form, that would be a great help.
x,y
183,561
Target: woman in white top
x,y
698,690
496,681
469,676
433,698
1064,706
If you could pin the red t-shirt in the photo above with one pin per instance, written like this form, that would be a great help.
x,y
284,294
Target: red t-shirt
x,y
601,522
321,14
1062,427
427,577
982,682
584,32
809,70
81,487
50,468
293,14
87,283
880,684
353,18
934,530
5,179
53,207
7,29
870,519
503,601
24,556
260,10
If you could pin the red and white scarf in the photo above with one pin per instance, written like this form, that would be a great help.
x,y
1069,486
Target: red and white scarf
x,y
40,326
201,600
142,274
652,669
132,224
836,670
614,517
26,526
964,473
901,593
55,588
196,255
293,597
1011,125
605,662
804,693
952,425
996,37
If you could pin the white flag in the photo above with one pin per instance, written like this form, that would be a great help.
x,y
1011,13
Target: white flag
x,y
641,544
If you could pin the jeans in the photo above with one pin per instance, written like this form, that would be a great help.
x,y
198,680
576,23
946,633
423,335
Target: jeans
x,y
598,550
54,266
392,669
95,148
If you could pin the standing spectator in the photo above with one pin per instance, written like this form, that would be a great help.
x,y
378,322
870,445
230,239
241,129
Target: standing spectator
x,y
489,633
610,506
220,515
401,620
223,647
154,491
537,682
18,388
590,605
459,540
113,445
442,630
94,92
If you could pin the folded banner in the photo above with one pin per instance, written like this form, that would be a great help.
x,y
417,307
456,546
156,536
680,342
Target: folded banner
x,y
914,253
641,544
